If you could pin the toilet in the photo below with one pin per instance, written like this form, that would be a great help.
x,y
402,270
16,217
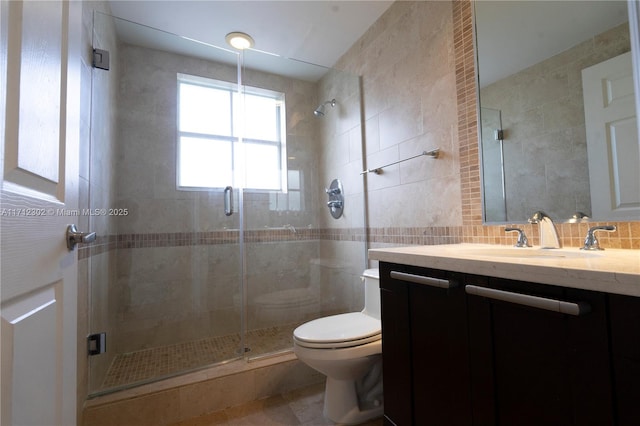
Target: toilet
x,y
347,348
284,306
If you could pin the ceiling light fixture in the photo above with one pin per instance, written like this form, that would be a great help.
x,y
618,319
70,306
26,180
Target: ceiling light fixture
x,y
240,41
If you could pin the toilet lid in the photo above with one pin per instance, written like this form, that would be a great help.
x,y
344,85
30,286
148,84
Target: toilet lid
x,y
335,329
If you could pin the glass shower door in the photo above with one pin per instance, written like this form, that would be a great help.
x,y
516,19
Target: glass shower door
x,y
165,279
295,269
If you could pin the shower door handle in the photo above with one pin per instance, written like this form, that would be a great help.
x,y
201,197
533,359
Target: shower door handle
x,y
228,200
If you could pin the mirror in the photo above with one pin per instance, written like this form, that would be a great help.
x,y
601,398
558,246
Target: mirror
x,y
532,128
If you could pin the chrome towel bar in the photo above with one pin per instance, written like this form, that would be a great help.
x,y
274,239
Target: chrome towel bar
x,y
433,153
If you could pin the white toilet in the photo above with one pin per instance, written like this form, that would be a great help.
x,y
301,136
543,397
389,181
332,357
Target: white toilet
x,y
347,348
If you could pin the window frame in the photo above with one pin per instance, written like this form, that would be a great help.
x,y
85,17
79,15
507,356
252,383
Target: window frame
x,y
237,141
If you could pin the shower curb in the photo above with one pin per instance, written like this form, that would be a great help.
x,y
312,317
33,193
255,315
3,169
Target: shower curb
x,y
205,391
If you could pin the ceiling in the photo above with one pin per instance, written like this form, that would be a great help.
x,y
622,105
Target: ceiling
x,y
316,32
512,35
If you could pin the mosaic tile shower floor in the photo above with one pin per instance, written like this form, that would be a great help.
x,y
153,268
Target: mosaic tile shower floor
x,y
147,364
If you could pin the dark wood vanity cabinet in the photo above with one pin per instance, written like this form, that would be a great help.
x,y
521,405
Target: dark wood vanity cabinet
x,y
452,358
424,347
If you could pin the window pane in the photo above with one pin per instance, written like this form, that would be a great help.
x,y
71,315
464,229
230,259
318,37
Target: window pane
x,y
261,118
204,110
204,163
294,201
293,179
262,166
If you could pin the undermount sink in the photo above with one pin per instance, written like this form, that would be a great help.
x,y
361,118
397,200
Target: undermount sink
x,y
528,253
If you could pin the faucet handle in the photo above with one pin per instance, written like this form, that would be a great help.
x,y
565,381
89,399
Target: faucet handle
x,y
523,241
332,191
591,241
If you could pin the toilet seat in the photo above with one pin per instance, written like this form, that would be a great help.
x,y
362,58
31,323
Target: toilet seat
x,y
338,331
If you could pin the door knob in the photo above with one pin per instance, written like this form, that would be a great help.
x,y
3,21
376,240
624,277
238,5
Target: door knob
x,y
74,237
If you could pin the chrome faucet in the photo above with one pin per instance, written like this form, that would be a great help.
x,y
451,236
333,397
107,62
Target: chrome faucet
x,y
591,242
548,234
522,237
290,228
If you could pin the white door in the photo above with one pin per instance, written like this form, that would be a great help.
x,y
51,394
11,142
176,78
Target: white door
x,y
39,110
612,139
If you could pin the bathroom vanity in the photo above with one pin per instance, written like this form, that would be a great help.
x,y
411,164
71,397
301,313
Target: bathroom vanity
x,y
486,335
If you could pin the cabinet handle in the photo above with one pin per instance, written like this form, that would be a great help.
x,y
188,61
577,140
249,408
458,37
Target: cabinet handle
x,y
560,306
419,279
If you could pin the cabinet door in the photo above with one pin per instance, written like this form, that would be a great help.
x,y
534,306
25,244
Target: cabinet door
x,y
396,350
439,343
546,367
625,349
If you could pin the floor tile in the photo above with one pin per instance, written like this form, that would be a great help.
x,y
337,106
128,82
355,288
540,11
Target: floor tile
x,y
302,407
147,364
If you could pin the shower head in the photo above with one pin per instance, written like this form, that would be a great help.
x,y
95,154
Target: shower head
x,y
319,112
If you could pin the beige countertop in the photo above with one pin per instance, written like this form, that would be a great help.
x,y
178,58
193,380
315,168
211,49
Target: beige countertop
x,y
610,270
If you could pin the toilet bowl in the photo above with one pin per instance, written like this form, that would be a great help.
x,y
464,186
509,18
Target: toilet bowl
x,y
347,348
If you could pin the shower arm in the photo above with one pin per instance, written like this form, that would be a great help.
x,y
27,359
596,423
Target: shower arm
x,y
434,153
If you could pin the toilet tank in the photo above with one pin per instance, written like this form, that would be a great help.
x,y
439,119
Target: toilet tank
x,y
371,278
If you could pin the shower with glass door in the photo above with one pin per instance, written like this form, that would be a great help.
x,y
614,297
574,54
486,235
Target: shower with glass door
x,y
221,168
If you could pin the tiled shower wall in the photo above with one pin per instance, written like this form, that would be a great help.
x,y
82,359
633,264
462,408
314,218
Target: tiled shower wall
x,y
175,279
342,240
161,259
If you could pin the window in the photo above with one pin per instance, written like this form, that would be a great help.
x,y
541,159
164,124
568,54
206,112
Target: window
x,y
293,199
217,149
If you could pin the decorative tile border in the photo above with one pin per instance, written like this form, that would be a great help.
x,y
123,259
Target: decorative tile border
x,y
627,236
467,112
180,239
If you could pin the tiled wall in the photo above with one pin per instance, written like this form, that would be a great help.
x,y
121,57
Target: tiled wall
x,y
178,270
467,113
407,65
173,246
152,271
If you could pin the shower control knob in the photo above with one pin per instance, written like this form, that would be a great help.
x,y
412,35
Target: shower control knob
x,y
332,191
336,198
